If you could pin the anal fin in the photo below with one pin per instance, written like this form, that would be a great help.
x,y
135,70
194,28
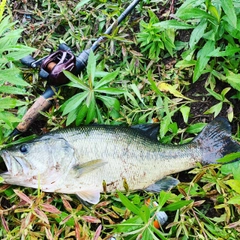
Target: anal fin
x,y
163,184
89,195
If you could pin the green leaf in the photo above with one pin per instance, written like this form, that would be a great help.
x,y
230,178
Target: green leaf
x,y
228,8
110,102
9,192
13,90
233,79
158,233
148,235
229,51
91,67
229,157
185,63
13,76
17,52
190,13
197,33
173,24
78,82
216,109
164,127
153,84
177,205
169,38
74,102
231,168
9,118
153,17
142,119
71,117
185,110
82,112
130,206
213,10
101,74
62,216
145,213
21,140
130,225
234,32
9,102
109,90
106,79
1,180
137,92
224,92
82,3
234,184
196,128
203,59
163,197
91,111
5,25
99,114
219,97
134,102
234,200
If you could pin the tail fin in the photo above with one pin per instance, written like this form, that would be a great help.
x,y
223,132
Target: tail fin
x,y
215,140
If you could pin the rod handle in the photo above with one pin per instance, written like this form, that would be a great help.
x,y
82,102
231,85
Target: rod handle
x,y
41,104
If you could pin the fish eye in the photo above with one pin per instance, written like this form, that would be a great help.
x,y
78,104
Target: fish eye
x,y
23,148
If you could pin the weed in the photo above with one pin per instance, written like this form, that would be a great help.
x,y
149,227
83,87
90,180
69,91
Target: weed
x,y
153,38
143,73
214,35
11,79
84,106
218,107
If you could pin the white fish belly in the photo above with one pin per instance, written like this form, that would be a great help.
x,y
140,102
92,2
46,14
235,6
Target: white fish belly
x,y
139,163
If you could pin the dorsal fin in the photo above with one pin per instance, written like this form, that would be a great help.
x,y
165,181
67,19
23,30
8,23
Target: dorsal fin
x,y
149,130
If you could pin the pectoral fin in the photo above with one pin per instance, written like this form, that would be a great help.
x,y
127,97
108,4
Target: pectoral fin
x,y
91,196
163,184
88,166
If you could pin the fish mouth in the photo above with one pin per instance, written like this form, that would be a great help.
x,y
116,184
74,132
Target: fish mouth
x,y
4,162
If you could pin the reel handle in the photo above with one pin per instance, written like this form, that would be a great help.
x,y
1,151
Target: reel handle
x,y
28,61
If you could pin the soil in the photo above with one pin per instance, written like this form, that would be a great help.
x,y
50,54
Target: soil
x,y
204,101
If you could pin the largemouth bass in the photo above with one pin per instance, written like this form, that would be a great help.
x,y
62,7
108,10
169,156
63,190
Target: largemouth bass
x,y
79,160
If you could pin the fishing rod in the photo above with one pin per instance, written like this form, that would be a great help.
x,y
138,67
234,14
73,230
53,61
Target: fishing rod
x,y
52,67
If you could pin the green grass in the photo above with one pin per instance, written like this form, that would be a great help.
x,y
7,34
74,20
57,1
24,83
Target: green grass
x,y
177,65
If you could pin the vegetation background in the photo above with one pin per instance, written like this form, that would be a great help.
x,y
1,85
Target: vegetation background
x,y
173,62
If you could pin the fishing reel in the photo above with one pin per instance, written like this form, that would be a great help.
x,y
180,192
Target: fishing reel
x,y
51,69
53,65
